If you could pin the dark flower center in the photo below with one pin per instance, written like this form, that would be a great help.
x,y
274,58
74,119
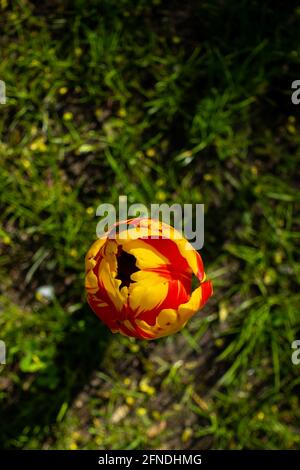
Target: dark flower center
x,y
126,267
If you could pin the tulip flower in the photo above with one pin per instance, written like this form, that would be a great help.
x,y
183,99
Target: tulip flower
x,y
140,285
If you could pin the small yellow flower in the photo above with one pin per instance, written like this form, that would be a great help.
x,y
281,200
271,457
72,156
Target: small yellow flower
x,y
186,435
73,253
122,112
38,296
34,62
127,381
99,113
141,411
68,116
219,342
86,148
63,90
38,145
6,240
291,129
146,388
151,152
291,125
223,312
97,422
90,211
26,163
270,277
260,416
278,257
254,170
176,39
161,196
160,182
76,435
73,446
130,401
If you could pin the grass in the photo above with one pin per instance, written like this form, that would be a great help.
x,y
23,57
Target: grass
x,y
162,102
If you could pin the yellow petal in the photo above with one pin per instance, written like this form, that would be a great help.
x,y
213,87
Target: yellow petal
x,y
191,307
110,251
167,317
190,254
110,284
96,246
148,277
146,256
90,264
145,295
91,282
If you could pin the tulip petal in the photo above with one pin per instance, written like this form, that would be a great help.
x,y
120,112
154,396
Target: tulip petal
x,y
196,301
167,317
144,296
91,282
95,249
110,285
169,251
146,256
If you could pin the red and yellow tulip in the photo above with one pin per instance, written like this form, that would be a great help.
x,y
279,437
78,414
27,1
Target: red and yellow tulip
x,y
140,285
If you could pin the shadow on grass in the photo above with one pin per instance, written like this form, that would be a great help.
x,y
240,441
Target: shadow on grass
x,y
33,412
